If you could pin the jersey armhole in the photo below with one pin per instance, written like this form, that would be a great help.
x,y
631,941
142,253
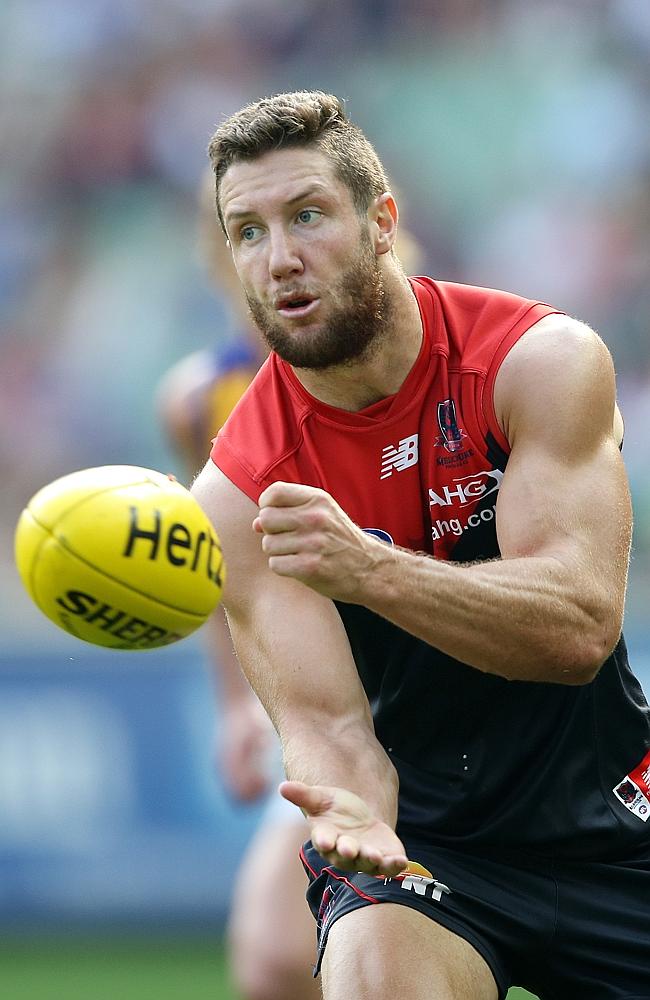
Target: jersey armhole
x,y
530,317
234,471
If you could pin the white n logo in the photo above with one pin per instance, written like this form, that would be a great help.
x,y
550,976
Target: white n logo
x,y
401,457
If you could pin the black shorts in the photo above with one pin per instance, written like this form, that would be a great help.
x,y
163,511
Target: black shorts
x,y
564,930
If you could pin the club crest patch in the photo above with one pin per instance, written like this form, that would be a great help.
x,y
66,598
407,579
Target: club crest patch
x,y
451,435
634,790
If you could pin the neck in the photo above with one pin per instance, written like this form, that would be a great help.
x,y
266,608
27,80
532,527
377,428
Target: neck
x,y
381,372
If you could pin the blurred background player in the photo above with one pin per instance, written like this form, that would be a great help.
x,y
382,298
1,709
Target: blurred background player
x,y
271,935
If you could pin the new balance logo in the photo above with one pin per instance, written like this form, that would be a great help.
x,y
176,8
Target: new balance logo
x,y
422,886
399,458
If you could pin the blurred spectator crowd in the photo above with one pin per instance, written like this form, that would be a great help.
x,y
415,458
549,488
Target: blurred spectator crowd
x,y
516,132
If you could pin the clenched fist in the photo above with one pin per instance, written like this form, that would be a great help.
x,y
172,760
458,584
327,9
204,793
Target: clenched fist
x,y
307,536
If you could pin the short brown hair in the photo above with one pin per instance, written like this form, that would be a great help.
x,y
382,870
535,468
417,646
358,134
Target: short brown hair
x,y
301,118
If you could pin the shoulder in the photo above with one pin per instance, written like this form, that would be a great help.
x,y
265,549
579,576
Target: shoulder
x,y
560,349
477,325
559,370
263,432
473,301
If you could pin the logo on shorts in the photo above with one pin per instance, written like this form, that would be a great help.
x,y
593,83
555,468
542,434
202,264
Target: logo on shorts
x,y
451,434
325,904
326,908
634,790
418,879
423,886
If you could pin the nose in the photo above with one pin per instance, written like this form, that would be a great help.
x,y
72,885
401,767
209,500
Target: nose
x,y
284,256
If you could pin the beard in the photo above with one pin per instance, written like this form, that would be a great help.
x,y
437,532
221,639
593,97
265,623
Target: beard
x,y
354,329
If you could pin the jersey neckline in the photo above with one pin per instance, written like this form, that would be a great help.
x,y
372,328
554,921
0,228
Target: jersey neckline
x,y
397,403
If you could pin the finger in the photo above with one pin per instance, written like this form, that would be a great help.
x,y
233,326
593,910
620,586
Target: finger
x,y
347,847
355,855
373,863
298,566
370,862
281,494
265,525
275,520
291,543
367,858
325,837
394,864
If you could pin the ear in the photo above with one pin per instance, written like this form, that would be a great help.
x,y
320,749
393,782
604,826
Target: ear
x,y
382,218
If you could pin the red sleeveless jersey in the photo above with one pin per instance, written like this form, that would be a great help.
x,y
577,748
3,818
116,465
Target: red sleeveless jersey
x,y
482,761
421,468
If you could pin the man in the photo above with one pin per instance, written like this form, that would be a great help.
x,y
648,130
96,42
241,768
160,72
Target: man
x,y
440,530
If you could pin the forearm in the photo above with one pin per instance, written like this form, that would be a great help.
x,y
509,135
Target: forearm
x,y
349,757
521,618
298,661
229,679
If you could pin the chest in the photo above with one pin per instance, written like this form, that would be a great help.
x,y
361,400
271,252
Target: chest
x,y
427,481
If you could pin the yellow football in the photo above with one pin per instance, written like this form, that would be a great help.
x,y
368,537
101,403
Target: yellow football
x,y
120,556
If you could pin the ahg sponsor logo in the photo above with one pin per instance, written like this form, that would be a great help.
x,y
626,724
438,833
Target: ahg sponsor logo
x,y
467,489
454,525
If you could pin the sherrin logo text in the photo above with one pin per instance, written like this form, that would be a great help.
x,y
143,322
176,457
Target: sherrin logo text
x,y
137,632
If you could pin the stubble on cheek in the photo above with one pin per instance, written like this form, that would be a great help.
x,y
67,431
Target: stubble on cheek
x,y
352,323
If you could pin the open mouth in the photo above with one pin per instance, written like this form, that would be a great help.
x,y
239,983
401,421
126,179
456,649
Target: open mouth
x,y
298,306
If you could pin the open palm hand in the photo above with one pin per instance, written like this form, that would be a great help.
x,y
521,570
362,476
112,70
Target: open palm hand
x,y
344,830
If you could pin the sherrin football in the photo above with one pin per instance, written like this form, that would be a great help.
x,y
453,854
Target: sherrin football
x,y
120,556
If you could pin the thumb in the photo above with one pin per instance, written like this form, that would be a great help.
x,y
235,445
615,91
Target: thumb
x,y
314,799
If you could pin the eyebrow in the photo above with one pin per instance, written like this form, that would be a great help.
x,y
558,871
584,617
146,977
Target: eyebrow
x,y
304,195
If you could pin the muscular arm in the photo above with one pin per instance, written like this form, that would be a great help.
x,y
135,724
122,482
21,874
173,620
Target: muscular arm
x,y
244,736
294,650
551,608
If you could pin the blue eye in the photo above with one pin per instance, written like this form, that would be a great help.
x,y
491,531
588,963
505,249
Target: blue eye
x,y
307,215
248,233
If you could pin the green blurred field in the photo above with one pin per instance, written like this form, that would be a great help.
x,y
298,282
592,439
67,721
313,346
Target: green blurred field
x,y
139,969
110,969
